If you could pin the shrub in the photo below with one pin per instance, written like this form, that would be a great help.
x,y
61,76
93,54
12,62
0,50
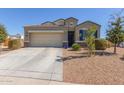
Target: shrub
x,y
100,44
76,47
109,44
14,44
90,40
6,41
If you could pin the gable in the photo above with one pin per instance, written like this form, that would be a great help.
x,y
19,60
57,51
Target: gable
x,y
87,25
48,24
60,22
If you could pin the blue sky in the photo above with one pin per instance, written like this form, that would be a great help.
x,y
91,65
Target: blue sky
x,y
14,19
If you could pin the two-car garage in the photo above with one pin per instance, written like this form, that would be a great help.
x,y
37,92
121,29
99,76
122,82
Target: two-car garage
x,y
44,38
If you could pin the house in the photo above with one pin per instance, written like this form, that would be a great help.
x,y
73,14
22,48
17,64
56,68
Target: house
x,y
58,33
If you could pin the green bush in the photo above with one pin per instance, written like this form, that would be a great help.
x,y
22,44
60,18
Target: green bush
x,y
100,44
76,47
14,44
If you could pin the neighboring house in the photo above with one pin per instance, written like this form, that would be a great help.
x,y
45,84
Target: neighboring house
x,y
10,37
121,45
58,33
17,36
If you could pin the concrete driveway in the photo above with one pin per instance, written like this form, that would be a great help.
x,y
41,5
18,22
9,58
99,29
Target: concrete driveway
x,y
40,63
29,81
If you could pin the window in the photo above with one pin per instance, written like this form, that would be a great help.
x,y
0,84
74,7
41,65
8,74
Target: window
x,y
82,34
71,23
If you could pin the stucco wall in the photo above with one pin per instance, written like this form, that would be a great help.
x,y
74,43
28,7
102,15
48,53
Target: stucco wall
x,y
40,28
69,24
86,26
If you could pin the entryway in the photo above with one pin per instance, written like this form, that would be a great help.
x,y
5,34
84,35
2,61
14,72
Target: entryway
x,y
70,38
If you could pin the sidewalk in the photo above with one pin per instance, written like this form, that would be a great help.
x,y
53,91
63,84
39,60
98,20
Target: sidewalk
x,y
28,81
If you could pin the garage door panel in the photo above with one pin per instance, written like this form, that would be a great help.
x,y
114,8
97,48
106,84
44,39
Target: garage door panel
x,y
46,39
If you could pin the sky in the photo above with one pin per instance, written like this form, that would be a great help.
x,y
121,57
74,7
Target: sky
x,y
14,19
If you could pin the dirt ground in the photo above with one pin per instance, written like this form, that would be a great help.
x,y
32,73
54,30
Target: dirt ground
x,y
106,68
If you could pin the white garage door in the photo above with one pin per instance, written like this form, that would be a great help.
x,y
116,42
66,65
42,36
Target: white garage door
x,y
46,39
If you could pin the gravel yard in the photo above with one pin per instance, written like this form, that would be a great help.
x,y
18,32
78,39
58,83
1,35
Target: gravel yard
x,y
99,69
4,50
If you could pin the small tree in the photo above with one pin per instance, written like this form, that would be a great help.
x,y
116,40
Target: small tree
x,y
3,34
90,39
116,33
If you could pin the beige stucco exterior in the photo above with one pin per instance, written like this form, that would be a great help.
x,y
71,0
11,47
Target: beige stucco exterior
x,y
55,33
85,26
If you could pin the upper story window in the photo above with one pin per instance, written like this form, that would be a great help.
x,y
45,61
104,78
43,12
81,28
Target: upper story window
x,y
71,23
82,34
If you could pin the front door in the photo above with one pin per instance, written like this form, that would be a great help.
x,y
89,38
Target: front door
x,y
70,38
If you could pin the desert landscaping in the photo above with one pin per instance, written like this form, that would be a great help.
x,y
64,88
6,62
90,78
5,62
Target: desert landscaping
x,y
74,50
106,68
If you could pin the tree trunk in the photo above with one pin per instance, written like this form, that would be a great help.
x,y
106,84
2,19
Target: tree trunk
x,y
115,48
